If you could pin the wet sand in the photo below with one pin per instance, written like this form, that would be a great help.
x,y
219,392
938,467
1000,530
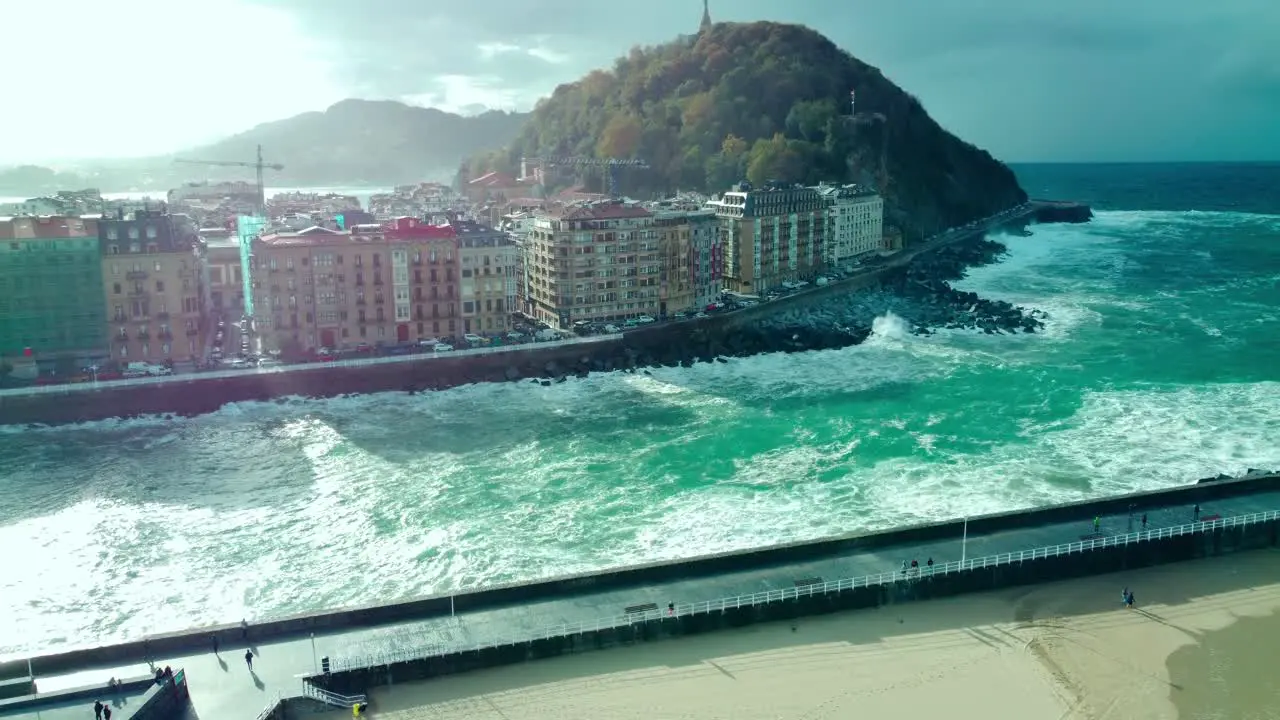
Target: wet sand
x,y
1200,643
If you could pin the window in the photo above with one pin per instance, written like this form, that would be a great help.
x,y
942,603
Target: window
x,y
159,267
159,286
115,287
112,235
113,249
468,307
151,231
133,233
115,269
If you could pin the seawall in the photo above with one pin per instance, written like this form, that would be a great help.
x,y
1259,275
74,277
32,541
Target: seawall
x,y
1021,569
197,640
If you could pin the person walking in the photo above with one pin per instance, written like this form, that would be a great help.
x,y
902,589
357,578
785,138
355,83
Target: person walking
x,y
1195,513
1144,521
106,712
248,659
97,709
1097,523
1128,599
215,644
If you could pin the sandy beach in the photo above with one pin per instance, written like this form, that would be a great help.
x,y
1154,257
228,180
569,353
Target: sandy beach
x,y
1200,642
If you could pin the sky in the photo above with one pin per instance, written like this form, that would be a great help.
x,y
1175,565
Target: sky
x,y
1038,80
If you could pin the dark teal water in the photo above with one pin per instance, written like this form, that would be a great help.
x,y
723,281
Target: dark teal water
x,y
1160,365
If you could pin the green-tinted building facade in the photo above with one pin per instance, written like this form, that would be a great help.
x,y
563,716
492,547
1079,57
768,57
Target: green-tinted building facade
x,y
51,294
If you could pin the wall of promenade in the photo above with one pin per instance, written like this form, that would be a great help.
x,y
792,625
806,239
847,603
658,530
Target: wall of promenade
x,y
1073,560
196,640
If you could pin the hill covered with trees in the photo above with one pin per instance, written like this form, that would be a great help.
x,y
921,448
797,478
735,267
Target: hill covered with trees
x,y
763,101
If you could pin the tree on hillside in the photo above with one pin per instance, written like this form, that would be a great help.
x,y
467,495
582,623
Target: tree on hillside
x,y
760,101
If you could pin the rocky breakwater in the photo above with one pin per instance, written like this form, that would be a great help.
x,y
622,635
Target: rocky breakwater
x,y
920,295
822,319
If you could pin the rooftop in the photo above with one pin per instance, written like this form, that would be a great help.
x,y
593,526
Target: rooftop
x,y
607,210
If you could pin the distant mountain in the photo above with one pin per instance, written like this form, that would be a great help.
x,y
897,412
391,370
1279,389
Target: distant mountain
x,y
367,142
355,142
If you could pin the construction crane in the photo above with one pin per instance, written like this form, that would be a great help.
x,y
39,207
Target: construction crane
x,y
610,165
260,166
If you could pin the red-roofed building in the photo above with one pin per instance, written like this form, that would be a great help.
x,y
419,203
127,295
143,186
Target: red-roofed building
x,y
495,186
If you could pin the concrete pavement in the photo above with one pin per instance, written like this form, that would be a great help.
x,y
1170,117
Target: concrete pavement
x,y
222,687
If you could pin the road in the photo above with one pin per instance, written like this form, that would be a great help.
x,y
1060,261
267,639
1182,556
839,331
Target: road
x,y
223,688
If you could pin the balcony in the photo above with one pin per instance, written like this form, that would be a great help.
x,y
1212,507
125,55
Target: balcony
x,y
361,301
192,332
143,335
121,340
136,275
164,335
162,316
138,293
377,281
120,318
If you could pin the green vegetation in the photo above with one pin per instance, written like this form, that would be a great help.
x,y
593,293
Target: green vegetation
x,y
762,101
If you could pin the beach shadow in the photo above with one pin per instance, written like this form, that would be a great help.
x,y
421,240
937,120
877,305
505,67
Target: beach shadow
x,y
916,625
222,663
257,681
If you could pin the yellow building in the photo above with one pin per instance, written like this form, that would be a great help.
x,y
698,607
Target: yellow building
x,y
488,272
771,235
152,289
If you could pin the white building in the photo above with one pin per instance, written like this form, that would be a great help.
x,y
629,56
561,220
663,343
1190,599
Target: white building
x,y
856,223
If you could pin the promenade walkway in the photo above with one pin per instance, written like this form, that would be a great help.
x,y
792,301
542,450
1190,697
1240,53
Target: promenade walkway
x,y
223,687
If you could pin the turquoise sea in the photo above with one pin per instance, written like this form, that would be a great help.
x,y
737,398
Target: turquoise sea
x,y
1160,365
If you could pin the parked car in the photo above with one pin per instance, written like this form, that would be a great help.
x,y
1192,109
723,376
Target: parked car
x,y
644,319
442,347
474,340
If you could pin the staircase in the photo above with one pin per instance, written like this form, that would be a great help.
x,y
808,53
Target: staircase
x,y
331,698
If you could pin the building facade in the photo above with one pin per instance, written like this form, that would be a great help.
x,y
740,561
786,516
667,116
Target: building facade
x,y
222,274
151,283
855,223
370,285
51,298
771,235
489,265
593,261
689,257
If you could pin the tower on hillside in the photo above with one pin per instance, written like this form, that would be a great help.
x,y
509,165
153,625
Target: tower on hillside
x,y
706,18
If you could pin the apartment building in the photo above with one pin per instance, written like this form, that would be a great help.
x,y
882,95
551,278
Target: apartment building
x,y
372,284
152,287
593,261
51,289
219,251
689,258
770,235
488,259
855,223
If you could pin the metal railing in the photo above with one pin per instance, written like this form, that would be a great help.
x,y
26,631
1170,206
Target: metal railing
x,y
331,698
355,362
405,654
270,710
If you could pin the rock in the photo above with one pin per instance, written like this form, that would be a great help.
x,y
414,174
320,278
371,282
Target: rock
x,y
512,373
